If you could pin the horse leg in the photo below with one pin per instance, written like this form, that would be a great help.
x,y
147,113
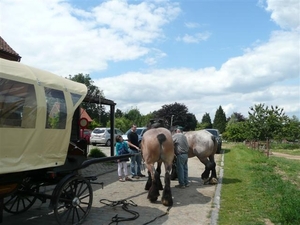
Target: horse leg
x,y
158,170
174,172
149,181
154,191
167,199
205,174
213,179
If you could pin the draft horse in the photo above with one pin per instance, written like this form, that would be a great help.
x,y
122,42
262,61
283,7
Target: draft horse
x,y
203,145
157,147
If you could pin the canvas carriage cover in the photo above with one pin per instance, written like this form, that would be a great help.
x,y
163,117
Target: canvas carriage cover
x,y
36,111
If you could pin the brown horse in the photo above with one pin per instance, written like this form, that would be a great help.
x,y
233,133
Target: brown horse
x,y
157,147
203,145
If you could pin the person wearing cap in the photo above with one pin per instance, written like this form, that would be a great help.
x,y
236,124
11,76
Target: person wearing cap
x,y
181,151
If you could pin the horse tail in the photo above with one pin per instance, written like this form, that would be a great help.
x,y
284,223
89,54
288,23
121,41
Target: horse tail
x,y
161,139
213,138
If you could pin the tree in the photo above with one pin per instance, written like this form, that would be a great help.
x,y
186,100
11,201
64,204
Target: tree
x,y
235,131
176,113
236,117
291,129
220,120
266,123
206,121
95,111
119,113
134,116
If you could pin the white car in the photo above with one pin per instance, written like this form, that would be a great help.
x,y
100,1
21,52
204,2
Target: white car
x,y
140,132
101,135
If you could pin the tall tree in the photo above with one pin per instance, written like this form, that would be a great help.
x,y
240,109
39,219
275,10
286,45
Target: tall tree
x,y
175,114
220,120
95,111
206,121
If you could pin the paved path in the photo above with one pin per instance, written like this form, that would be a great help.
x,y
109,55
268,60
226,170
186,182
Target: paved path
x,y
192,205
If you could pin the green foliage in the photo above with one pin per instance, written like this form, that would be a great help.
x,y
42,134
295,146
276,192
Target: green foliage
x,y
291,129
95,111
235,131
285,146
176,115
134,116
220,120
96,153
206,121
265,122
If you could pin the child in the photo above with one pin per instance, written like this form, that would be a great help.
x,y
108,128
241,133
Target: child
x,y
122,149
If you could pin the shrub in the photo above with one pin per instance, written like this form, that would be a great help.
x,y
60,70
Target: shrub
x,y
96,153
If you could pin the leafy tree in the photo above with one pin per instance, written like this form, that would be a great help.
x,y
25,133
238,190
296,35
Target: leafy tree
x,y
236,117
220,120
191,122
291,129
206,121
178,111
119,113
134,116
95,111
265,122
235,131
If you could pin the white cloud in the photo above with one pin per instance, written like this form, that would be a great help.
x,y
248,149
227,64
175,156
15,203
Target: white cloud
x,y
192,25
285,13
196,38
53,33
55,36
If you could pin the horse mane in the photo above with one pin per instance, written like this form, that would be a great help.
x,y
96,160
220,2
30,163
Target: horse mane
x,y
155,124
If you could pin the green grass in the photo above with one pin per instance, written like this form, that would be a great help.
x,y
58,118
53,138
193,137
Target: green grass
x,y
256,188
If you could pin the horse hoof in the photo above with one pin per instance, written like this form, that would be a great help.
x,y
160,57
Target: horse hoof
x,y
213,181
206,181
153,200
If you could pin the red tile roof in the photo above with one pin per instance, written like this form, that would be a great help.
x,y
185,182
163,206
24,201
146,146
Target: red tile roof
x,y
6,52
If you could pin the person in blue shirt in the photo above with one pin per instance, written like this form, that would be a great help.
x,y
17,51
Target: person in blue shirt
x,y
122,149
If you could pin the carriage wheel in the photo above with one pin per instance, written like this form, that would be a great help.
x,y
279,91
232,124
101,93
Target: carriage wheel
x,y
73,201
22,199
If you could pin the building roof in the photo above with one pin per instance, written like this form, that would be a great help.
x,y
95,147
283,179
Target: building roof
x,y
6,52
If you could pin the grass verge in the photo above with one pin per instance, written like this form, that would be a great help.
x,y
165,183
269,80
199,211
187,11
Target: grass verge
x,y
257,189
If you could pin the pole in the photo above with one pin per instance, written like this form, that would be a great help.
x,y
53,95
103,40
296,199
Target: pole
x,y
172,120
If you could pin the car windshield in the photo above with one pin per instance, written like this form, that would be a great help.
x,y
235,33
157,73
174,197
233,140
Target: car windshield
x,y
214,132
138,131
98,131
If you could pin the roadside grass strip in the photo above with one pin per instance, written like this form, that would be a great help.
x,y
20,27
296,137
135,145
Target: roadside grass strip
x,y
257,188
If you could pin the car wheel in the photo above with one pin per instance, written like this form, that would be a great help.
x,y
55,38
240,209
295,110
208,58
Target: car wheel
x,y
108,143
94,144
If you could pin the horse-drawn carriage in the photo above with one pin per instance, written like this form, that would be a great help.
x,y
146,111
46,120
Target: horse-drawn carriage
x,y
40,143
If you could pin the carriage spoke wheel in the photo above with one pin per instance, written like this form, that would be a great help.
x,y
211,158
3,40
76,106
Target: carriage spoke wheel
x,y
22,199
74,201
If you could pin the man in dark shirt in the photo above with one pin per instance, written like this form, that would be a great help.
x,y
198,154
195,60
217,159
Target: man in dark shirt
x,y
135,161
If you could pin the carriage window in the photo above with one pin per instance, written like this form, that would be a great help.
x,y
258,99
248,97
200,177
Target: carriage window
x,y
56,109
18,107
75,98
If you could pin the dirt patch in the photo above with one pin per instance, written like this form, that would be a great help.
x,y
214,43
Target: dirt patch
x,y
287,156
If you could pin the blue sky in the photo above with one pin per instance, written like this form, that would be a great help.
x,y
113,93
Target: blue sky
x,y
145,54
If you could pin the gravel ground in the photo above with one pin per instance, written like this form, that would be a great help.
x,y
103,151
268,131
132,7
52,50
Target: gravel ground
x,y
197,204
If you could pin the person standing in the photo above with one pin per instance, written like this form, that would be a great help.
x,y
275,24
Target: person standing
x,y
122,149
136,160
181,151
